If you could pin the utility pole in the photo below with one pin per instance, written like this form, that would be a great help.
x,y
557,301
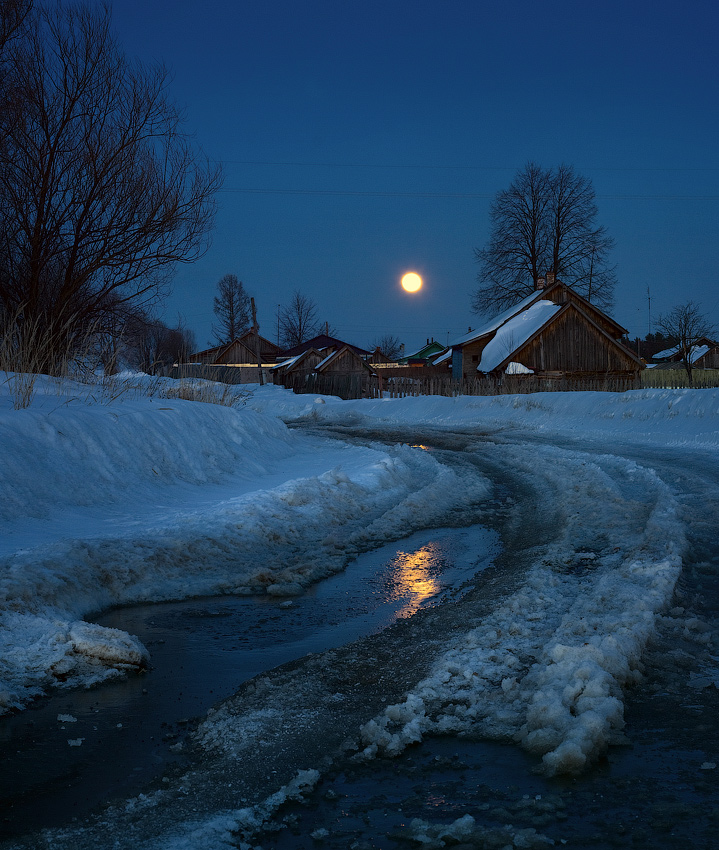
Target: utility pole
x,y
256,332
649,306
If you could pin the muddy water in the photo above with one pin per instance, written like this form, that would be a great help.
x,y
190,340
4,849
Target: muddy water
x,y
114,739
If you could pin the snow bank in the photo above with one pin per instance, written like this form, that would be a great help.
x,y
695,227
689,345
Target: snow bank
x,y
549,666
683,417
150,499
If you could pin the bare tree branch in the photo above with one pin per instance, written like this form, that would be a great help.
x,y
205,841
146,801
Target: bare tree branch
x,y
687,324
544,222
298,320
232,308
102,193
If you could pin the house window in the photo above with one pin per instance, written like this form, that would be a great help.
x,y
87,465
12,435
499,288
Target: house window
x,y
475,358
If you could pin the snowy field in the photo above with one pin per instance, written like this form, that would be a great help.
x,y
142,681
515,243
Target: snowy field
x,y
149,498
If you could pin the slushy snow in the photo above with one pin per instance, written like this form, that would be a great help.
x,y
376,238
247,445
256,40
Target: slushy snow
x,y
148,498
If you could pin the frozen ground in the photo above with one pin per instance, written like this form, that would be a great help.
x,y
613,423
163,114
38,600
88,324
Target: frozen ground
x,y
610,495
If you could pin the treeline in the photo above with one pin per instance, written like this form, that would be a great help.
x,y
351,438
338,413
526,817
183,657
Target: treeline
x,y
102,191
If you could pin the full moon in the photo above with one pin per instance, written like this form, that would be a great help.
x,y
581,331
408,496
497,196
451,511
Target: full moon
x,y
411,282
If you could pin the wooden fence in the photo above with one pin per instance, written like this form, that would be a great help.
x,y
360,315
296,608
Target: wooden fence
x,y
676,378
399,387
344,386
407,381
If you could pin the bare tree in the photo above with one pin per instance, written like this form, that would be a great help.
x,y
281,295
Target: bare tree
x,y
232,308
13,14
687,324
543,223
102,192
389,345
298,320
152,345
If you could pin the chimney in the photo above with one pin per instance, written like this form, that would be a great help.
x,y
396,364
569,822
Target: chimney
x,y
541,283
550,278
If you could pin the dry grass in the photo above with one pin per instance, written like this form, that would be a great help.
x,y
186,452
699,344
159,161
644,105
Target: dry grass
x,y
204,391
23,356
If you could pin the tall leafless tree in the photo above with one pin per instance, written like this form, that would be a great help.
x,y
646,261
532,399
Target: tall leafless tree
x,y
102,192
232,308
544,223
687,324
298,321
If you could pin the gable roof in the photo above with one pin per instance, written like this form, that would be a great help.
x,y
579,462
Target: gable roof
x,y
495,323
295,362
337,354
516,332
699,348
246,342
535,326
323,341
431,348
549,293
517,326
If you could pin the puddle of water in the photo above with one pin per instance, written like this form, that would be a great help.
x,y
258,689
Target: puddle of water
x,y
201,651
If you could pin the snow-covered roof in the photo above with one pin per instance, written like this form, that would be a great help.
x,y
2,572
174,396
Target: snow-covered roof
x,y
326,360
515,332
286,362
696,353
442,357
498,320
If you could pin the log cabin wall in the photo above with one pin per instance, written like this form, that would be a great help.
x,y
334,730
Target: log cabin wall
x,y
472,356
561,294
709,361
346,363
573,345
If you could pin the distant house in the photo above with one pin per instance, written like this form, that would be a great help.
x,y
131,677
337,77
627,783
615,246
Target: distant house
x,y
704,354
241,351
344,361
332,371
424,355
553,332
379,358
322,342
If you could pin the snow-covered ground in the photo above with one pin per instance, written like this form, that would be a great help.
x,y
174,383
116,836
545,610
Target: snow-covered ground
x,y
149,498
153,498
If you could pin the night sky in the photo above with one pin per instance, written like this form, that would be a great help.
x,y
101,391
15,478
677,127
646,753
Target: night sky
x,y
360,140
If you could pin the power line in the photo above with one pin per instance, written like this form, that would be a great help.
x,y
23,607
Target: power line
x,y
457,195
436,167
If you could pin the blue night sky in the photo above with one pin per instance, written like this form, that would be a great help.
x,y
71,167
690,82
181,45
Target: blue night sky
x,y
363,139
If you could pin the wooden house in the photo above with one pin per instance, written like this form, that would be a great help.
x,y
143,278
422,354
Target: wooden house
x,y
379,358
241,351
425,354
341,372
704,354
552,333
344,361
288,371
322,342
